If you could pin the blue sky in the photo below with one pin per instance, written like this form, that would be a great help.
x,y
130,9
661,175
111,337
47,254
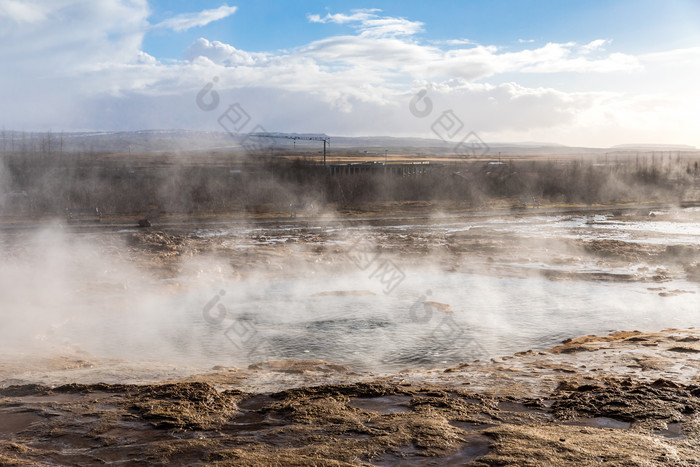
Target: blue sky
x,y
635,25
593,73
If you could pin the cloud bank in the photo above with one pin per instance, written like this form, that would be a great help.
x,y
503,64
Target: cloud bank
x,y
78,64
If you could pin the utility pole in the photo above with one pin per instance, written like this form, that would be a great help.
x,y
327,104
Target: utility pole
x,y
326,139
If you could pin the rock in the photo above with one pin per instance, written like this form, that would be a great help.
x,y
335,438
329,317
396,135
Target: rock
x,y
681,251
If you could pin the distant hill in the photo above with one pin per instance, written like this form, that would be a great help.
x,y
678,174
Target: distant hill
x,y
188,141
655,147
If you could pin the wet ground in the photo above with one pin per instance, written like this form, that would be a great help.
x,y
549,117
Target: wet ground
x,y
399,341
573,404
379,296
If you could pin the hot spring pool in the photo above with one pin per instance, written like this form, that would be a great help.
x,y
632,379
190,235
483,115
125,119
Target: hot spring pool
x,y
349,320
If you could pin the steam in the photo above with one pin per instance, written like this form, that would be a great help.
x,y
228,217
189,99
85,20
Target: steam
x,y
382,297
96,297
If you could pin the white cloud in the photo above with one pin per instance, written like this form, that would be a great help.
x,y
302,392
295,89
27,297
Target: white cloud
x,y
142,58
454,42
393,56
593,46
372,25
390,27
677,56
75,35
219,53
78,64
340,18
22,11
187,21
616,62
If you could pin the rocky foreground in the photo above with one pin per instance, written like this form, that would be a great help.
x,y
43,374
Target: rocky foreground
x,y
629,398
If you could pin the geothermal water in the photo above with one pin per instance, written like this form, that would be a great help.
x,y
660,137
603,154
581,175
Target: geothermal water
x,y
489,317
431,317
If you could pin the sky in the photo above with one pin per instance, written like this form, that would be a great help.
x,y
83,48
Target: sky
x,y
586,73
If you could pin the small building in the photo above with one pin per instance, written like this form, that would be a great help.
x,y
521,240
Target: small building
x,y
403,169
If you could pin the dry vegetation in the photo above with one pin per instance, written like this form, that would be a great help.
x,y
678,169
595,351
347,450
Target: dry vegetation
x,y
570,414
41,182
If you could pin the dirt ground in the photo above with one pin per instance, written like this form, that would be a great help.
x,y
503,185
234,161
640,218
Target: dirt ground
x,y
628,398
484,250
575,404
